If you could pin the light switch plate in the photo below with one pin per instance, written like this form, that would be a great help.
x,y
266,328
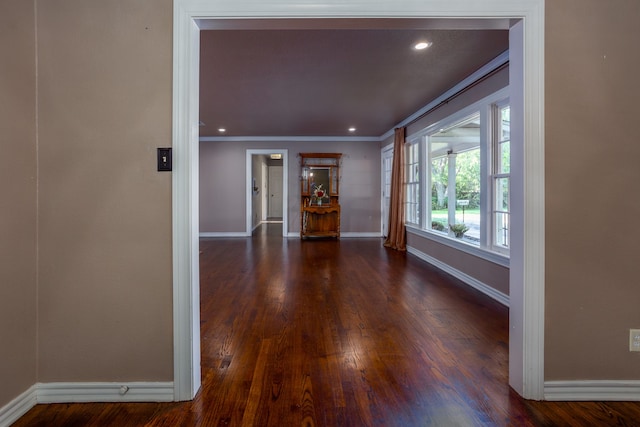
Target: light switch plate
x,y
164,160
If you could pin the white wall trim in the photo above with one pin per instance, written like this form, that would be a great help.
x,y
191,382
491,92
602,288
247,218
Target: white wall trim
x,y
185,203
603,390
527,254
527,363
223,234
19,406
290,138
360,235
347,235
471,281
70,392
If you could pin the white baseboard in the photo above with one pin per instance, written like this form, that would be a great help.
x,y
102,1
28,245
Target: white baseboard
x,y
592,390
223,234
105,392
471,281
359,235
85,392
18,407
345,235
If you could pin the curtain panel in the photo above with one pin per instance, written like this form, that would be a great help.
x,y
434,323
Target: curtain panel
x,y
397,236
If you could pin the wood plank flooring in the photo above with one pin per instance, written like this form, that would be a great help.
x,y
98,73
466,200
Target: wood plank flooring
x,y
341,333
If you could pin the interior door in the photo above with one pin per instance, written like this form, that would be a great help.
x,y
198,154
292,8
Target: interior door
x,y
275,192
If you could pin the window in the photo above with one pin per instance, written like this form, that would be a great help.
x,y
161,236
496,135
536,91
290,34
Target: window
x,y
455,179
501,177
412,207
466,176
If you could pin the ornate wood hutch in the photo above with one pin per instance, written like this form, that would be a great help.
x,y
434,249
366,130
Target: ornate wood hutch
x,y
320,195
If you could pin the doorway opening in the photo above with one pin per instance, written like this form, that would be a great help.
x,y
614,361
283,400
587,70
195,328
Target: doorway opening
x,y
267,188
527,291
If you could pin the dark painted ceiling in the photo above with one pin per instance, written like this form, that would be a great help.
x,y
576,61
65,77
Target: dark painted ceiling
x,y
319,82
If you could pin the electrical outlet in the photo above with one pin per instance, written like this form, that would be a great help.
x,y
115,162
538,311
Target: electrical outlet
x,y
634,339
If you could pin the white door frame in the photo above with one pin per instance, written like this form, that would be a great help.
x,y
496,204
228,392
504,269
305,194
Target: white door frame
x,y
264,200
527,263
386,152
285,186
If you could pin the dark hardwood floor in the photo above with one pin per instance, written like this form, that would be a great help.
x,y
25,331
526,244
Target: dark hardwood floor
x,y
342,333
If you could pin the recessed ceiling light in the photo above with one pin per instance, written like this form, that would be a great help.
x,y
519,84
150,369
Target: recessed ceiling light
x,y
422,45
222,130
352,129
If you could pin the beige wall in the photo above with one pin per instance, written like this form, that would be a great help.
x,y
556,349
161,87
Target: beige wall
x,y
592,173
104,97
104,105
17,199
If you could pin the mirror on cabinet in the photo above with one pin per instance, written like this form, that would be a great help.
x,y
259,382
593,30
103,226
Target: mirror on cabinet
x,y
318,184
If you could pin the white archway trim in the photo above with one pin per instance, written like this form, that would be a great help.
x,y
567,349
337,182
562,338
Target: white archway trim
x,y
527,332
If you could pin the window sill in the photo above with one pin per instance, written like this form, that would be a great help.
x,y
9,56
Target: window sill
x,y
487,255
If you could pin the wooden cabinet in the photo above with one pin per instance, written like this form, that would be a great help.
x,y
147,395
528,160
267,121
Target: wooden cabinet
x,y
320,221
320,195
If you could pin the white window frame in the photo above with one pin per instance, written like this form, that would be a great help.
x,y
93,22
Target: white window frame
x,y
485,249
418,184
495,141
